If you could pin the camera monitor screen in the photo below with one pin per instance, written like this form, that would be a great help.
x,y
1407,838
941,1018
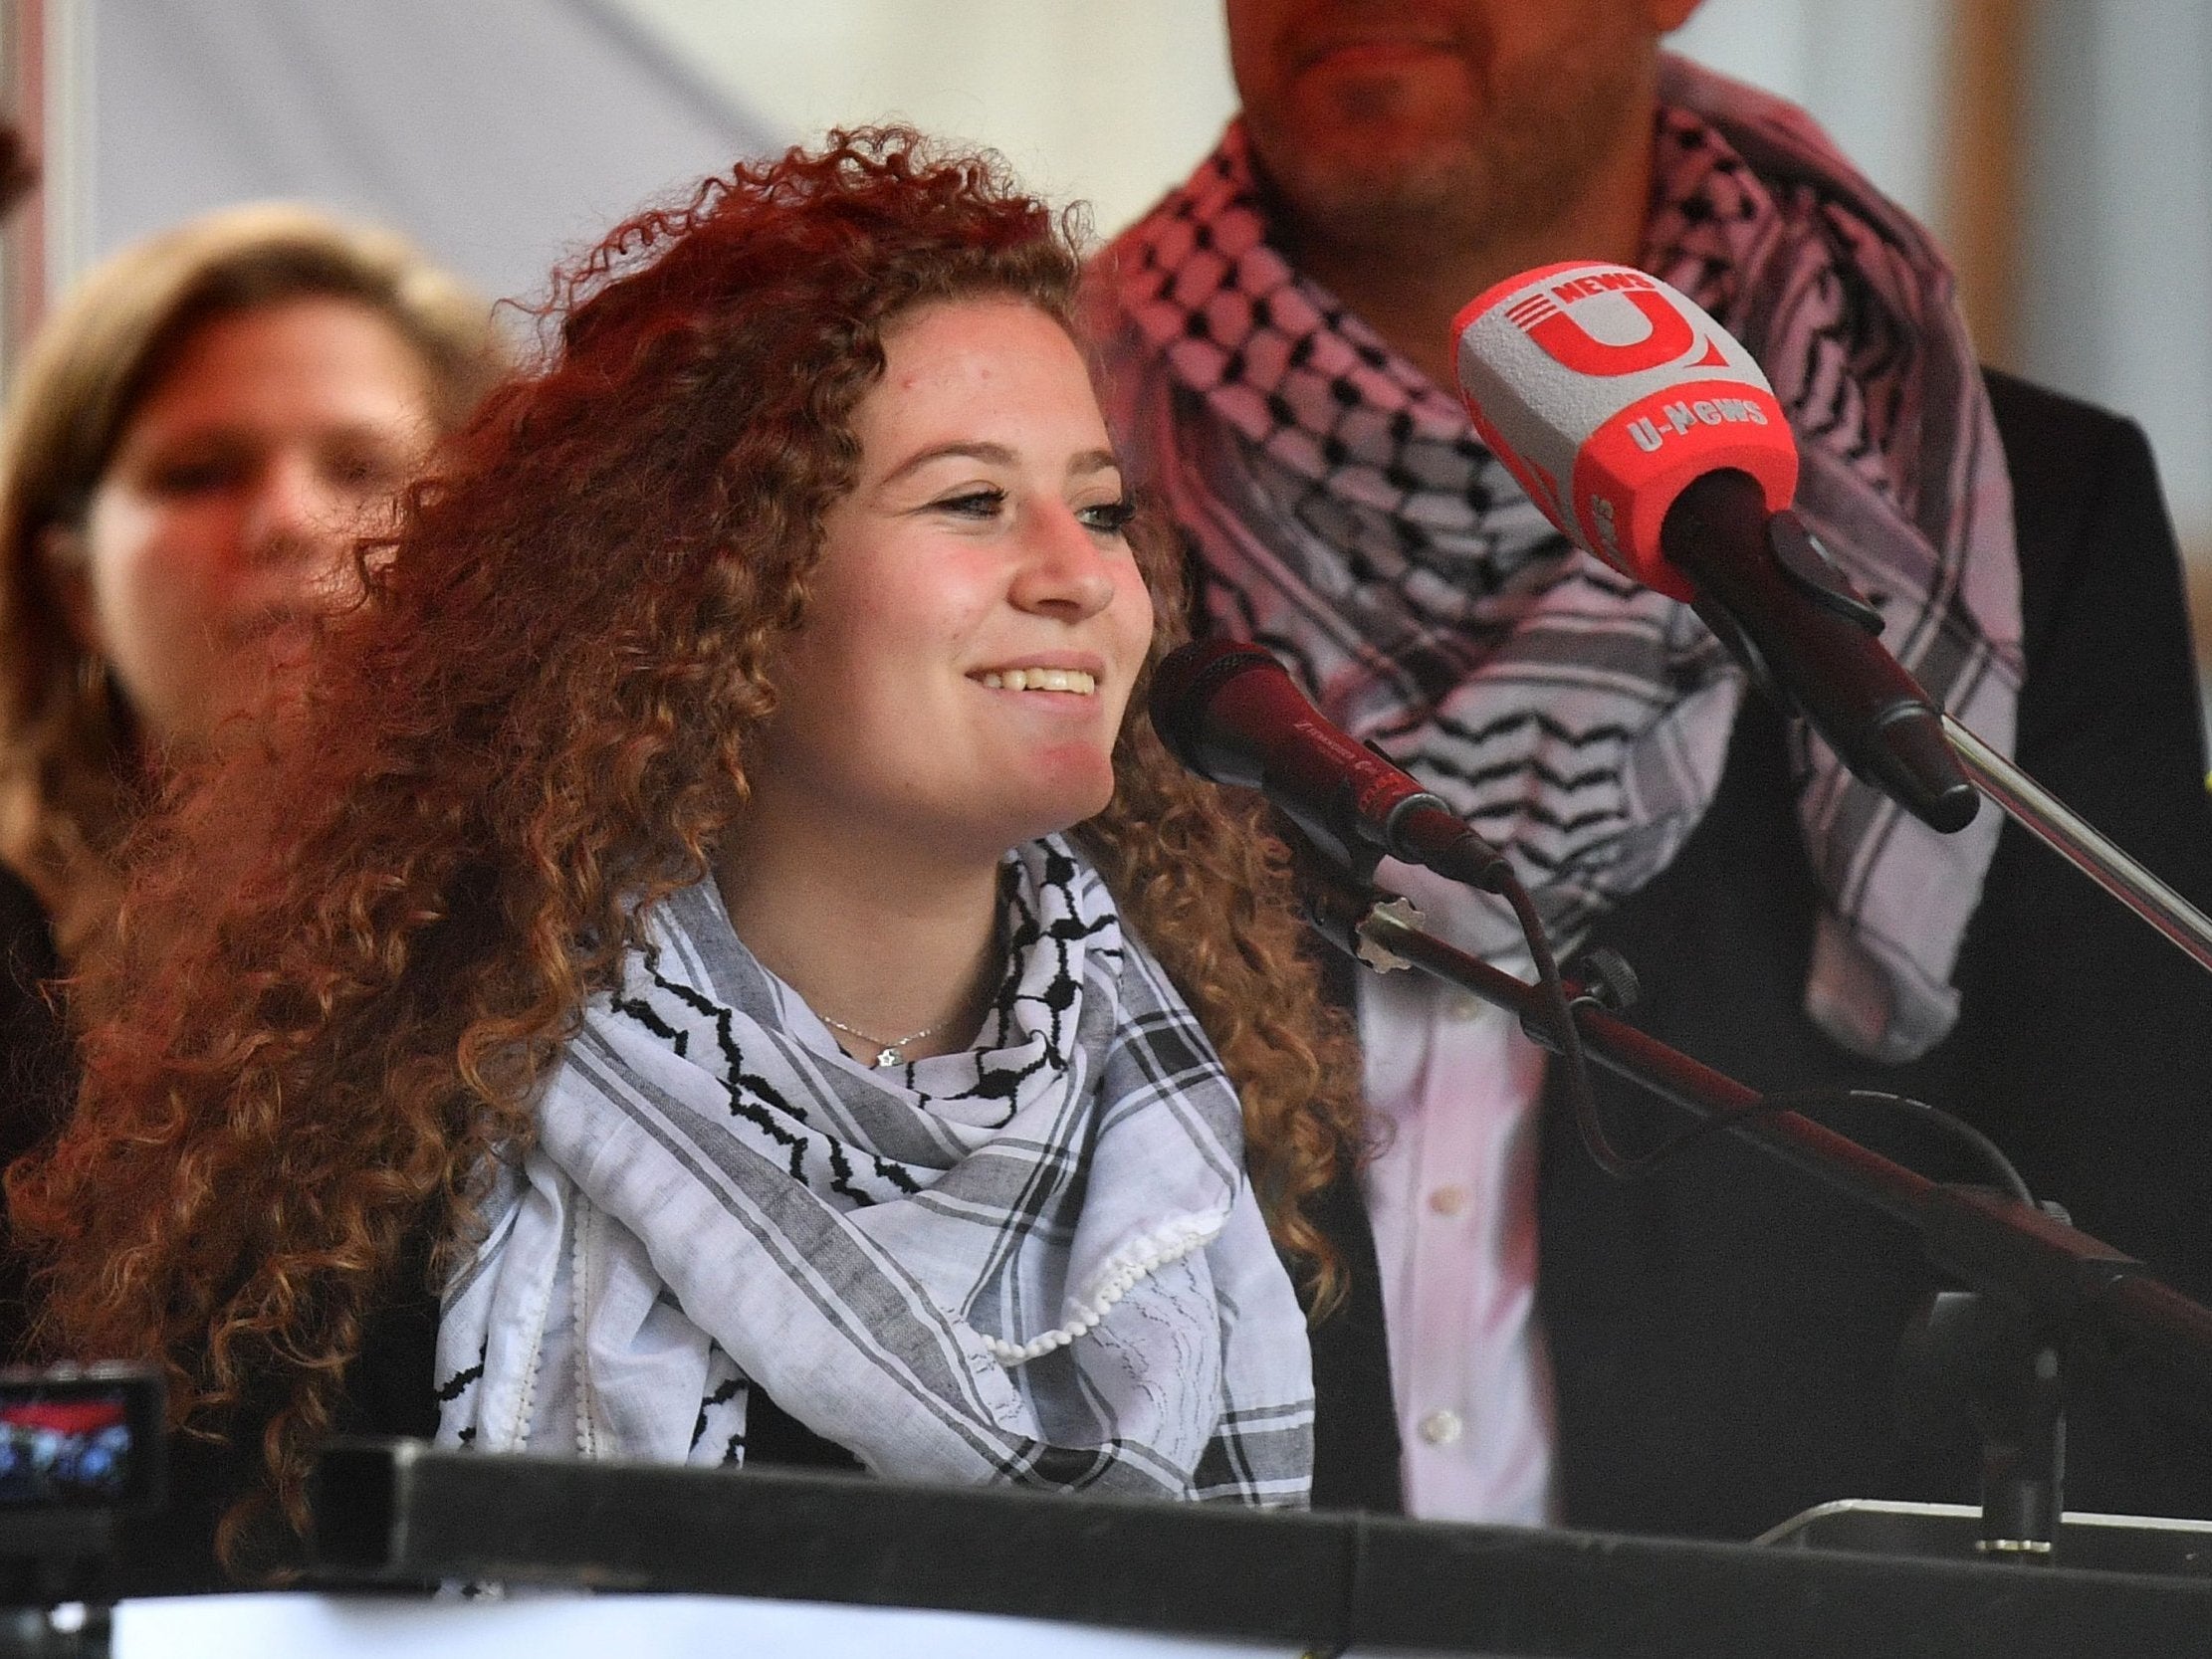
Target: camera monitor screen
x,y
85,1438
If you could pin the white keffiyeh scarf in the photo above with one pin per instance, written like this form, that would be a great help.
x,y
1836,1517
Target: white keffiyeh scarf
x,y
1037,1262
1345,515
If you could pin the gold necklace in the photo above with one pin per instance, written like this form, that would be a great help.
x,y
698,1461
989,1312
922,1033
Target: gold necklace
x,y
887,1054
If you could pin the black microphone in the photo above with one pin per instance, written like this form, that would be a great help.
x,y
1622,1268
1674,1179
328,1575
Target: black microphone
x,y
1765,586
1231,714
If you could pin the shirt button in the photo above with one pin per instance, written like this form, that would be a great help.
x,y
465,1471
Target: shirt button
x,y
1449,1201
1442,1427
1463,1007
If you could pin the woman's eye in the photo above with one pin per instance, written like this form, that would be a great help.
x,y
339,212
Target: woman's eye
x,y
195,476
972,504
1108,518
364,472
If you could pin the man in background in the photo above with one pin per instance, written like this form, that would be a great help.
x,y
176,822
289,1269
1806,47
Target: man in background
x,y
1711,1349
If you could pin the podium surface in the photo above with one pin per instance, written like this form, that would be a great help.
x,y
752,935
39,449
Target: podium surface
x,y
401,1514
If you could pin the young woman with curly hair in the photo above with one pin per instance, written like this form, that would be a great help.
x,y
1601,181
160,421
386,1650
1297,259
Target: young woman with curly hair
x,y
727,922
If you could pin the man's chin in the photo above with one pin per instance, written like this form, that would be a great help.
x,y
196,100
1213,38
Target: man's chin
x,y
1362,184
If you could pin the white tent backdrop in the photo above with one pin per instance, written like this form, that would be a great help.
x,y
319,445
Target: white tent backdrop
x,y
1108,100
500,133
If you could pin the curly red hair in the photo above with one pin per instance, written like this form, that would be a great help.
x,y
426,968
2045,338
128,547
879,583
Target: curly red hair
x,y
349,960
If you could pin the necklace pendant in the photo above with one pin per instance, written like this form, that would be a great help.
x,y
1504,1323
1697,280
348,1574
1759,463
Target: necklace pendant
x,y
886,1058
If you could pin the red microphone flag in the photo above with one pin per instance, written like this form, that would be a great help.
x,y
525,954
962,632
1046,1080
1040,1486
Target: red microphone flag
x,y
1623,387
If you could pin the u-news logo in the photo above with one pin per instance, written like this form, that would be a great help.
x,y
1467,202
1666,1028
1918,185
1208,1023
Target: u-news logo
x,y
1669,336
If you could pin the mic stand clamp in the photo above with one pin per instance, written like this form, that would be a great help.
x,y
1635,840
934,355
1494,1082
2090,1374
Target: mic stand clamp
x,y
1378,955
1335,883
1972,1349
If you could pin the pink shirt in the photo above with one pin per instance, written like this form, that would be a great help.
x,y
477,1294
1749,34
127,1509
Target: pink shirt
x,y
1452,1199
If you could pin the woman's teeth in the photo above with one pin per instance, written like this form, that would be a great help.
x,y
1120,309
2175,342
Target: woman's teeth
x,y
1043,679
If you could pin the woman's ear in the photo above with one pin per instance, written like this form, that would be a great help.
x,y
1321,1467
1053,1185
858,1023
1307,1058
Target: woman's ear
x,y
62,552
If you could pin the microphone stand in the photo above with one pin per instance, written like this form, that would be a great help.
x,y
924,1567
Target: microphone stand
x,y
1809,650
2054,1278
2049,819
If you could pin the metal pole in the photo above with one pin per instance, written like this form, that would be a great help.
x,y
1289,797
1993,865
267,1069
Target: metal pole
x,y
2076,840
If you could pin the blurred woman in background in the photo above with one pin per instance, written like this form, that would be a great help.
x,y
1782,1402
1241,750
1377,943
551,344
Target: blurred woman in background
x,y
196,441
729,925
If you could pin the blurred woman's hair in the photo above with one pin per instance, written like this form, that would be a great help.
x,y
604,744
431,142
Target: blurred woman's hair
x,y
70,770
350,964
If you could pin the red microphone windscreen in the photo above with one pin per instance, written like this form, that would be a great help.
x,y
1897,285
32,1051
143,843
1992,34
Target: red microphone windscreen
x,y
1607,392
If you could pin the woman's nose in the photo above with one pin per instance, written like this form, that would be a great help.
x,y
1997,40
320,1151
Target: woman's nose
x,y
1064,571
295,512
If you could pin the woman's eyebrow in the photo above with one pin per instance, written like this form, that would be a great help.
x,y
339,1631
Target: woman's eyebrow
x,y
997,455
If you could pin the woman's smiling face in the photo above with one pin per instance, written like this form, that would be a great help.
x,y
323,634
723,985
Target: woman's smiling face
x,y
976,620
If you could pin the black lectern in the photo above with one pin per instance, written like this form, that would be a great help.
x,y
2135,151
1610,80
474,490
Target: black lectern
x,y
397,1511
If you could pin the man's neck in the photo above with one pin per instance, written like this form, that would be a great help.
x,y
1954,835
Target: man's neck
x,y
1409,288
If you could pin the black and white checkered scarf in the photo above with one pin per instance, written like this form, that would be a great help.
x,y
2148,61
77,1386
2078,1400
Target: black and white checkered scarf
x,y
1348,518
1037,1262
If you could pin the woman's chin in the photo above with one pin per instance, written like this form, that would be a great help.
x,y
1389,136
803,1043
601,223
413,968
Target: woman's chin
x,y
1060,802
